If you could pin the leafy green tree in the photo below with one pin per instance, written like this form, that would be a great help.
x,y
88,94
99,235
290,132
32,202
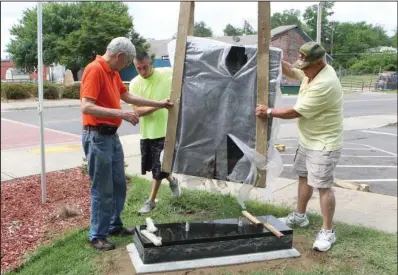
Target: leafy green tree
x,y
287,17
200,29
230,30
394,40
247,28
73,33
351,40
371,63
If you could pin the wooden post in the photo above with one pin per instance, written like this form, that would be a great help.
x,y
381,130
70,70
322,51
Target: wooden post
x,y
185,27
191,19
264,39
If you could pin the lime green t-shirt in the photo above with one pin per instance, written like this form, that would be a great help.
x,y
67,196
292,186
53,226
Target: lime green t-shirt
x,y
156,87
320,103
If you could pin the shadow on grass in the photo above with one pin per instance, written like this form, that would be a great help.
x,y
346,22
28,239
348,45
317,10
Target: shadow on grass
x,y
357,251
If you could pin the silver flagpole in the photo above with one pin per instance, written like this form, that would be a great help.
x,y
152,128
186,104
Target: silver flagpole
x,y
40,109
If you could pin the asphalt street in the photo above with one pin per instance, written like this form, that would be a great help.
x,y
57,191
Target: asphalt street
x,y
69,119
368,156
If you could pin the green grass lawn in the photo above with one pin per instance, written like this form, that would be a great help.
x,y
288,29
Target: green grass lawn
x,y
357,251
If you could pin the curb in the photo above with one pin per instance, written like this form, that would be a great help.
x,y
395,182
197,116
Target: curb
x,y
36,107
24,108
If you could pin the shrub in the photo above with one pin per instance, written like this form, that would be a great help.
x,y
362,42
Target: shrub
x,y
16,91
50,91
71,92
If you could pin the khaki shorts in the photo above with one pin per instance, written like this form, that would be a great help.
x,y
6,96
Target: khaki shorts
x,y
317,166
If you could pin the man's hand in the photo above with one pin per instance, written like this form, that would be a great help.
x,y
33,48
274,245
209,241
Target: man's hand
x,y
166,104
131,116
261,110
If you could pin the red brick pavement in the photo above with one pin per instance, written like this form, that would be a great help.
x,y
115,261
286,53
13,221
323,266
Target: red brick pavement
x,y
16,134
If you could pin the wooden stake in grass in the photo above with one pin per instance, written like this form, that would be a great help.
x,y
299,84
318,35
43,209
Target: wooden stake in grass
x,y
264,40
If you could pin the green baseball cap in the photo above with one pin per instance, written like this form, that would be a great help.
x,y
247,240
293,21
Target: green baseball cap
x,y
309,53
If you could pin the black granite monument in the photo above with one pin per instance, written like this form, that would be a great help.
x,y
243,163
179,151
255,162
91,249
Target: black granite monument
x,y
209,239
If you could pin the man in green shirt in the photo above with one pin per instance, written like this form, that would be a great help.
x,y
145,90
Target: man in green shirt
x,y
152,84
319,109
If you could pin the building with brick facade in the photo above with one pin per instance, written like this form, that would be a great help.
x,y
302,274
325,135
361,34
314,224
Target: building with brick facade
x,y
288,38
8,66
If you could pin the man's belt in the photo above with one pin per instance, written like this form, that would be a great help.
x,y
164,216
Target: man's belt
x,y
103,129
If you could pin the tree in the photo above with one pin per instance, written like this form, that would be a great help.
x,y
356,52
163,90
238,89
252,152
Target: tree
x,y
73,33
140,43
247,28
310,18
371,63
201,30
351,40
394,40
230,30
287,17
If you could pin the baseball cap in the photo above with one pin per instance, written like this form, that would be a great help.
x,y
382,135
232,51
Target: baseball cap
x,y
309,53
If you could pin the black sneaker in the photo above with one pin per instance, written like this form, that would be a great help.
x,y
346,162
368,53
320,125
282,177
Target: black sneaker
x,y
102,244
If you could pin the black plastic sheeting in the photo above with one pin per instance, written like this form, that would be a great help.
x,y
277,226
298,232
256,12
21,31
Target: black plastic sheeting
x,y
218,99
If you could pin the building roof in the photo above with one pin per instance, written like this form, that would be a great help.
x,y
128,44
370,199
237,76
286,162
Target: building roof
x,y
159,47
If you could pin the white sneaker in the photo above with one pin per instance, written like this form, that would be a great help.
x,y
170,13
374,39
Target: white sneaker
x,y
294,219
324,240
148,207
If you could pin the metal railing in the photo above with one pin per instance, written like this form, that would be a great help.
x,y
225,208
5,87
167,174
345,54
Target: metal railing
x,y
354,85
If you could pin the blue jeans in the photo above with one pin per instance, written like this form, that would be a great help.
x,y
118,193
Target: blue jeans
x,y
105,157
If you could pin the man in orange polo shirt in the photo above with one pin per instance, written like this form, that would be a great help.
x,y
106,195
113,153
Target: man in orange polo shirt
x,y
100,94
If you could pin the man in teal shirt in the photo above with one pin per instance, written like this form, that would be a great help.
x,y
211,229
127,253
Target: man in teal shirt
x,y
152,84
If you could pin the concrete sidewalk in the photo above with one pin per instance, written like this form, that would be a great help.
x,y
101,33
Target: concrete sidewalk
x,y
353,207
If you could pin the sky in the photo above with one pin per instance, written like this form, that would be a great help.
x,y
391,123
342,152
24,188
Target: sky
x,y
158,20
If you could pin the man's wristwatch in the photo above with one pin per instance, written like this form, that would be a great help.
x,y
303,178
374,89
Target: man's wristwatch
x,y
269,112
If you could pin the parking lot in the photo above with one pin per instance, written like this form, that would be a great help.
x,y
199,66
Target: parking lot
x,y
368,156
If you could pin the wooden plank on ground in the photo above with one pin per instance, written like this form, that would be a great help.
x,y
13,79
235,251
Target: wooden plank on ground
x,y
185,25
264,39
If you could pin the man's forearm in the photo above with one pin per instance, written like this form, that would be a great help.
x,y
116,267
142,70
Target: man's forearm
x,y
98,111
145,110
285,113
139,101
287,70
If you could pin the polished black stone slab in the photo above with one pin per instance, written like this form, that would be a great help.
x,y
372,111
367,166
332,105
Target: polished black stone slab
x,y
211,239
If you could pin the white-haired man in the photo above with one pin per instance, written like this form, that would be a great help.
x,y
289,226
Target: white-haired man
x,y
319,109
100,94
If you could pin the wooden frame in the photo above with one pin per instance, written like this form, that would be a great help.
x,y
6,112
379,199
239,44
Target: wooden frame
x,y
263,43
185,28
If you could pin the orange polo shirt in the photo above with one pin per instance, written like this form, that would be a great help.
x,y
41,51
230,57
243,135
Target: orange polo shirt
x,y
103,85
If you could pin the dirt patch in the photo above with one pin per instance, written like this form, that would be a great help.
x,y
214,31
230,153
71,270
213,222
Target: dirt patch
x,y
118,262
27,223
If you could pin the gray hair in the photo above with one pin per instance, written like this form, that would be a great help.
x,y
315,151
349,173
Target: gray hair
x,y
123,45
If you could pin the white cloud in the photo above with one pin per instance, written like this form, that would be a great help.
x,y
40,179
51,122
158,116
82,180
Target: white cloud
x,y
11,12
159,20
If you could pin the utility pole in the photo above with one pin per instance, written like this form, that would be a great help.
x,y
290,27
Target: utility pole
x,y
331,46
319,23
